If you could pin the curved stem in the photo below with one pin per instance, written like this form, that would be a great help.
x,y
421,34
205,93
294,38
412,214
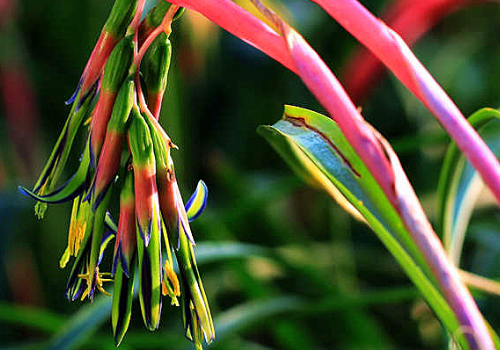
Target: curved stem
x,y
388,46
411,20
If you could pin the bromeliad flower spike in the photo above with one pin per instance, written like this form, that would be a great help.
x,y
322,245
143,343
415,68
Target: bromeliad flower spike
x,y
127,159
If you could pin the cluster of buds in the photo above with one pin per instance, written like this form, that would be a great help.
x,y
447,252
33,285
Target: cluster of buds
x,y
127,158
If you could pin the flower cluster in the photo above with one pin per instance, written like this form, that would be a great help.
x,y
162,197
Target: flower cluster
x,y
127,156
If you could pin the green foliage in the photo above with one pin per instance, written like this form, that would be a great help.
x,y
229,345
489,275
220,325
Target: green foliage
x,y
460,185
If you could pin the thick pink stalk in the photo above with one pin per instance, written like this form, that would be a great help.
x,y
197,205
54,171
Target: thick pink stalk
x,y
377,155
411,20
242,24
395,54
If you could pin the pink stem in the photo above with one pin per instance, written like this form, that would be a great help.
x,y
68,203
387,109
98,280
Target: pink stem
x,y
395,54
134,24
411,20
163,27
243,25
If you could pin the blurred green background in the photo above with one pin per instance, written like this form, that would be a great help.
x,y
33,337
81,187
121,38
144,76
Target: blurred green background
x,y
284,267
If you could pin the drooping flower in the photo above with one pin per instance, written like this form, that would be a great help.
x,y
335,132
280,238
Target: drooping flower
x,y
127,156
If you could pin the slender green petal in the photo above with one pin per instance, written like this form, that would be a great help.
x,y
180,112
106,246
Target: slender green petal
x,y
123,295
72,188
55,165
194,300
150,277
98,229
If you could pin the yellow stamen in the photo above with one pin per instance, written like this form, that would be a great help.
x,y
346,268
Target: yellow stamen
x,y
77,228
99,282
172,276
64,258
170,285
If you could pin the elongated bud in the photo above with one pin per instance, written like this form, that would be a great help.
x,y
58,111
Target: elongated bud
x,y
155,66
143,162
114,29
120,17
118,64
124,261
121,310
150,276
109,159
114,75
155,17
198,322
171,204
125,244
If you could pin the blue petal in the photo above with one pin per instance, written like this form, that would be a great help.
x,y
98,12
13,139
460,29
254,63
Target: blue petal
x,y
198,201
108,236
73,97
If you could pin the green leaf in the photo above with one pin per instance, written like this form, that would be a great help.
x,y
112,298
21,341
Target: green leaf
x,y
31,317
82,325
317,150
245,315
460,184
212,252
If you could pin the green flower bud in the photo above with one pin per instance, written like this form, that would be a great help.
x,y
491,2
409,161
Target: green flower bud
x,y
123,106
156,63
123,294
118,65
155,16
141,144
120,17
